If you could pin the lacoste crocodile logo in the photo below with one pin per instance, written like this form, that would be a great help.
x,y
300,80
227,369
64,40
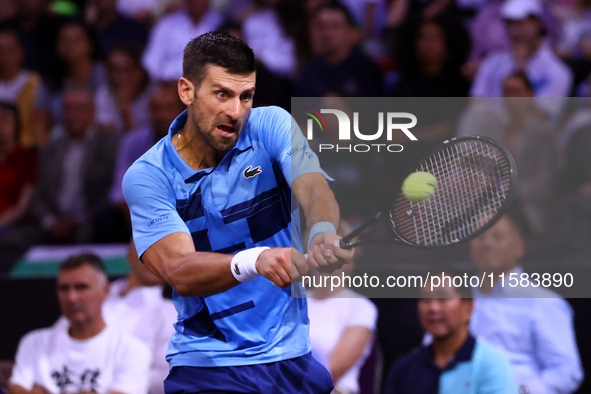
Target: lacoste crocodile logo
x,y
250,172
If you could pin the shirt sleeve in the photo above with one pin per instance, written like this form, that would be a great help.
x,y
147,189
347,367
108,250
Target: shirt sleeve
x,y
284,140
362,313
554,339
23,372
133,363
152,205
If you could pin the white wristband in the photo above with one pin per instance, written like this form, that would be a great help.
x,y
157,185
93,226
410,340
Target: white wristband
x,y
244,264
320,227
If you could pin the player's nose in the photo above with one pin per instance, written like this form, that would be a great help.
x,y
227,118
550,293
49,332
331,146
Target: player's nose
x,y
232,109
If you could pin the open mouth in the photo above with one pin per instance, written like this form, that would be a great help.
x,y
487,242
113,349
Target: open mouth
x,y
226,130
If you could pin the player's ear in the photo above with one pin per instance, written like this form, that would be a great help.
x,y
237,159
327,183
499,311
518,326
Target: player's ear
x,y
186,91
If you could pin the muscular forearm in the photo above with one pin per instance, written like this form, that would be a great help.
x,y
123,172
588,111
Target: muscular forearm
x,y
190,273
348,350
200,274
318,201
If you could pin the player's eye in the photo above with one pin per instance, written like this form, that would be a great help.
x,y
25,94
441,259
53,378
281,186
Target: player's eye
x,y
222,95
246,97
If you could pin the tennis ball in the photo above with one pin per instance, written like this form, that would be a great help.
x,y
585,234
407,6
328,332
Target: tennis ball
x,y
419,186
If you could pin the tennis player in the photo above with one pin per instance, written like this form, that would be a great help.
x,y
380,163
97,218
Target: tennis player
x,y
212,215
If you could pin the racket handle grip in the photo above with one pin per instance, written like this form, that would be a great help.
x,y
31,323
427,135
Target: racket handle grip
x,y
341,243
338,243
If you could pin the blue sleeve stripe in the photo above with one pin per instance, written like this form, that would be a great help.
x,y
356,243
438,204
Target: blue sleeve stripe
x,y
233,310
268,222
201,325
246,205
231,249
191,208
201,241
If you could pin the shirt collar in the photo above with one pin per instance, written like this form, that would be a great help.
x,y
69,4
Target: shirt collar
x,y
462,355
190,175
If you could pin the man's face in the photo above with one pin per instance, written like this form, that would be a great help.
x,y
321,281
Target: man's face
x,y
221,107
430,43
78,110
164,108
444,315
525,30
499,248
330,32
11,53
81,292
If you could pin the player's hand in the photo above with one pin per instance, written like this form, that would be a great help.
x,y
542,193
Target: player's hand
x,y
325,255
282,266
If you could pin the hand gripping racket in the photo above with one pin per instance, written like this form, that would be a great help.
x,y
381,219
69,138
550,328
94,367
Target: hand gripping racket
x,y
475,179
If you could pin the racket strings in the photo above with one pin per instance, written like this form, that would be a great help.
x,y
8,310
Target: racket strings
x,y
473,182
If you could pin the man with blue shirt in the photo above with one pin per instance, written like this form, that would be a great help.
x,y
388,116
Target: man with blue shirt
x,y
532,325
455,362
212,215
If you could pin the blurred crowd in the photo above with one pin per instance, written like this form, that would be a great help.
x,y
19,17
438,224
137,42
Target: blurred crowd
x,y
87,86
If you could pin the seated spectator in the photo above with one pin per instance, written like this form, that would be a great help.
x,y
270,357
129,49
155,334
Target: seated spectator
x,y
75,174
18,86
163,57
135,306
122,104
18,167
112,28
532,325
527,132
431,58
113,223
531,53
455,361
84,355
339,66
342,326
78,67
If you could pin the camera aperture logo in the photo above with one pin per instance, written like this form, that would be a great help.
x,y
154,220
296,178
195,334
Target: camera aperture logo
x,y
347,130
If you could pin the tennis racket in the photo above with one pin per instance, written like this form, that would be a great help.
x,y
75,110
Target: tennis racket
x,y
475,180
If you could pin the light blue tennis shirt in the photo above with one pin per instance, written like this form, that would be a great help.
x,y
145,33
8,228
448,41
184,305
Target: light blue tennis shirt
x,y
243,202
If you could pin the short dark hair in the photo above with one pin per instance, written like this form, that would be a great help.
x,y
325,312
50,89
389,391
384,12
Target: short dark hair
x,y
336,5
79,260
218,48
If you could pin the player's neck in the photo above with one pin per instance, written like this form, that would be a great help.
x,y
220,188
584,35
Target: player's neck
x,y
194,150
87,330
446,348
